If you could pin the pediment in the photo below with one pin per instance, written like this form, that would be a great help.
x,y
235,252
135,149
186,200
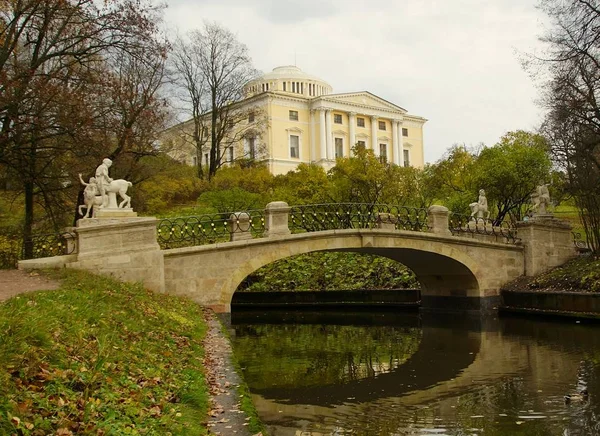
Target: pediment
x,y
365,99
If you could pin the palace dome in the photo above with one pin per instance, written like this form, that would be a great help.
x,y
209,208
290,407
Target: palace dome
x,y
288,79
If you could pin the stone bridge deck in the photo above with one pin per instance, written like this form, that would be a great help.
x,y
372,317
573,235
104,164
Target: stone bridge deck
x,y
456,272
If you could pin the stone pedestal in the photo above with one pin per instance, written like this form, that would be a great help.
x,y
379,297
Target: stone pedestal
x,y
437,220
547,241
239,226
386,221
125,248
276,223
115,212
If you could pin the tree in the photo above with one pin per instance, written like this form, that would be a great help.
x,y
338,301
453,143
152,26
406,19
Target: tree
x,y
362,178
52,65
453,178
307,184
212,67
510,170
571,93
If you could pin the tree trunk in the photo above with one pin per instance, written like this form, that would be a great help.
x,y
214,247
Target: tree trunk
x,y
28,226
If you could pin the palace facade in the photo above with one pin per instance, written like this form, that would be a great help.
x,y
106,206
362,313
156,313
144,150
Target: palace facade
x,y
304,121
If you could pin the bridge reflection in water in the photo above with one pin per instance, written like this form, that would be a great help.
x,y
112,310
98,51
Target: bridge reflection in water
x,y
410,374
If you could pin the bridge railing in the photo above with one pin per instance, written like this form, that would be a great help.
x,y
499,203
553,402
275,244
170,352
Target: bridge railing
x,y
210,228
334,216
462,225
12,249
280,219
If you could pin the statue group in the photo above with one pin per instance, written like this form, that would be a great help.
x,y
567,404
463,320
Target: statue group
x,y
540,200
101,191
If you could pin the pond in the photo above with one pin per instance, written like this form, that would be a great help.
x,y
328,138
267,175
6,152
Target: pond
x,y
390,373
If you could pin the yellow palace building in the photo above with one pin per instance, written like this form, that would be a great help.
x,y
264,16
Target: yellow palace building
x,y
307,122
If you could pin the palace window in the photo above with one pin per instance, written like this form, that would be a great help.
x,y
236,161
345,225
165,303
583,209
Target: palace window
x,y
284,86
360,122
293,115
337,118
361,145
251,117
339,147
406,158
294,146
206,161
250,149
194,160
382,125
404,132
230,154
383,153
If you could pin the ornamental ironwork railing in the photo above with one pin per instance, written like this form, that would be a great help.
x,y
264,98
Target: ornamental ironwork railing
x,y
209,228
335,216
580,244
460,224
12,248
51,244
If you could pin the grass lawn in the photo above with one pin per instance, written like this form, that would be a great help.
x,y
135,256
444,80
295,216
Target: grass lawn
x,y
101,357
579,275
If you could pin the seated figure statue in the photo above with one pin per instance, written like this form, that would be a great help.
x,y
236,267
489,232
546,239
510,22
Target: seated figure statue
x,y
541,199
479,209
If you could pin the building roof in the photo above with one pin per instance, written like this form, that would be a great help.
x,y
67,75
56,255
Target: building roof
x,y
290,72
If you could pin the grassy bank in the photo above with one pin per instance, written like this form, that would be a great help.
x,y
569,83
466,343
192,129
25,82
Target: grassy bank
x,y
101,357
581,274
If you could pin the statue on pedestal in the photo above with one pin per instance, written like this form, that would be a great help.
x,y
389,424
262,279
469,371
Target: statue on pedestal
x,y
101,191
480,208
541,199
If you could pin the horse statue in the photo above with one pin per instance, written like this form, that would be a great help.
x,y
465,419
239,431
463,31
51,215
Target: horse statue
x,y
92,201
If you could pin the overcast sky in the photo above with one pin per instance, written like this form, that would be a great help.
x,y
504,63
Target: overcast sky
x,y
456,63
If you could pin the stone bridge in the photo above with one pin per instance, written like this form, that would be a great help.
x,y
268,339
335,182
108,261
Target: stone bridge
x,y
462,271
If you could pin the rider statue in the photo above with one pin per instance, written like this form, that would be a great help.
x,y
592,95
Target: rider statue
x,y
103,180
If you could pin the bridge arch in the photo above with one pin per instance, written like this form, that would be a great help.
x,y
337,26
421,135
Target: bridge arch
x,y
449,268
438,272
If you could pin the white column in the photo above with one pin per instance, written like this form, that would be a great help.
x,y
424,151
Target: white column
x,y
395,145
329,136
352,130
323,134
374,127
400,146
313,141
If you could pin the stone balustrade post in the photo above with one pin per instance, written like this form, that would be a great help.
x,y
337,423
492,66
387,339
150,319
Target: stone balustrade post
x,y
238,226
71,240
276,222
548,242
386,221
437,220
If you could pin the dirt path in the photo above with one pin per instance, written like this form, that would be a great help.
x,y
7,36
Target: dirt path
x,y
225,416
13,282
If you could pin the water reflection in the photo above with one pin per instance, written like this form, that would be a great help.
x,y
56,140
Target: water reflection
x,y
400,374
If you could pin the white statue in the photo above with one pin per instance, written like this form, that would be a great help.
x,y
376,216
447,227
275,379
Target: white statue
x,y
102,179
480,208
541,199
101,191
91,200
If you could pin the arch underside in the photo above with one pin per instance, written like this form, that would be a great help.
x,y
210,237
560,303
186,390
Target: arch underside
x,y
440,276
